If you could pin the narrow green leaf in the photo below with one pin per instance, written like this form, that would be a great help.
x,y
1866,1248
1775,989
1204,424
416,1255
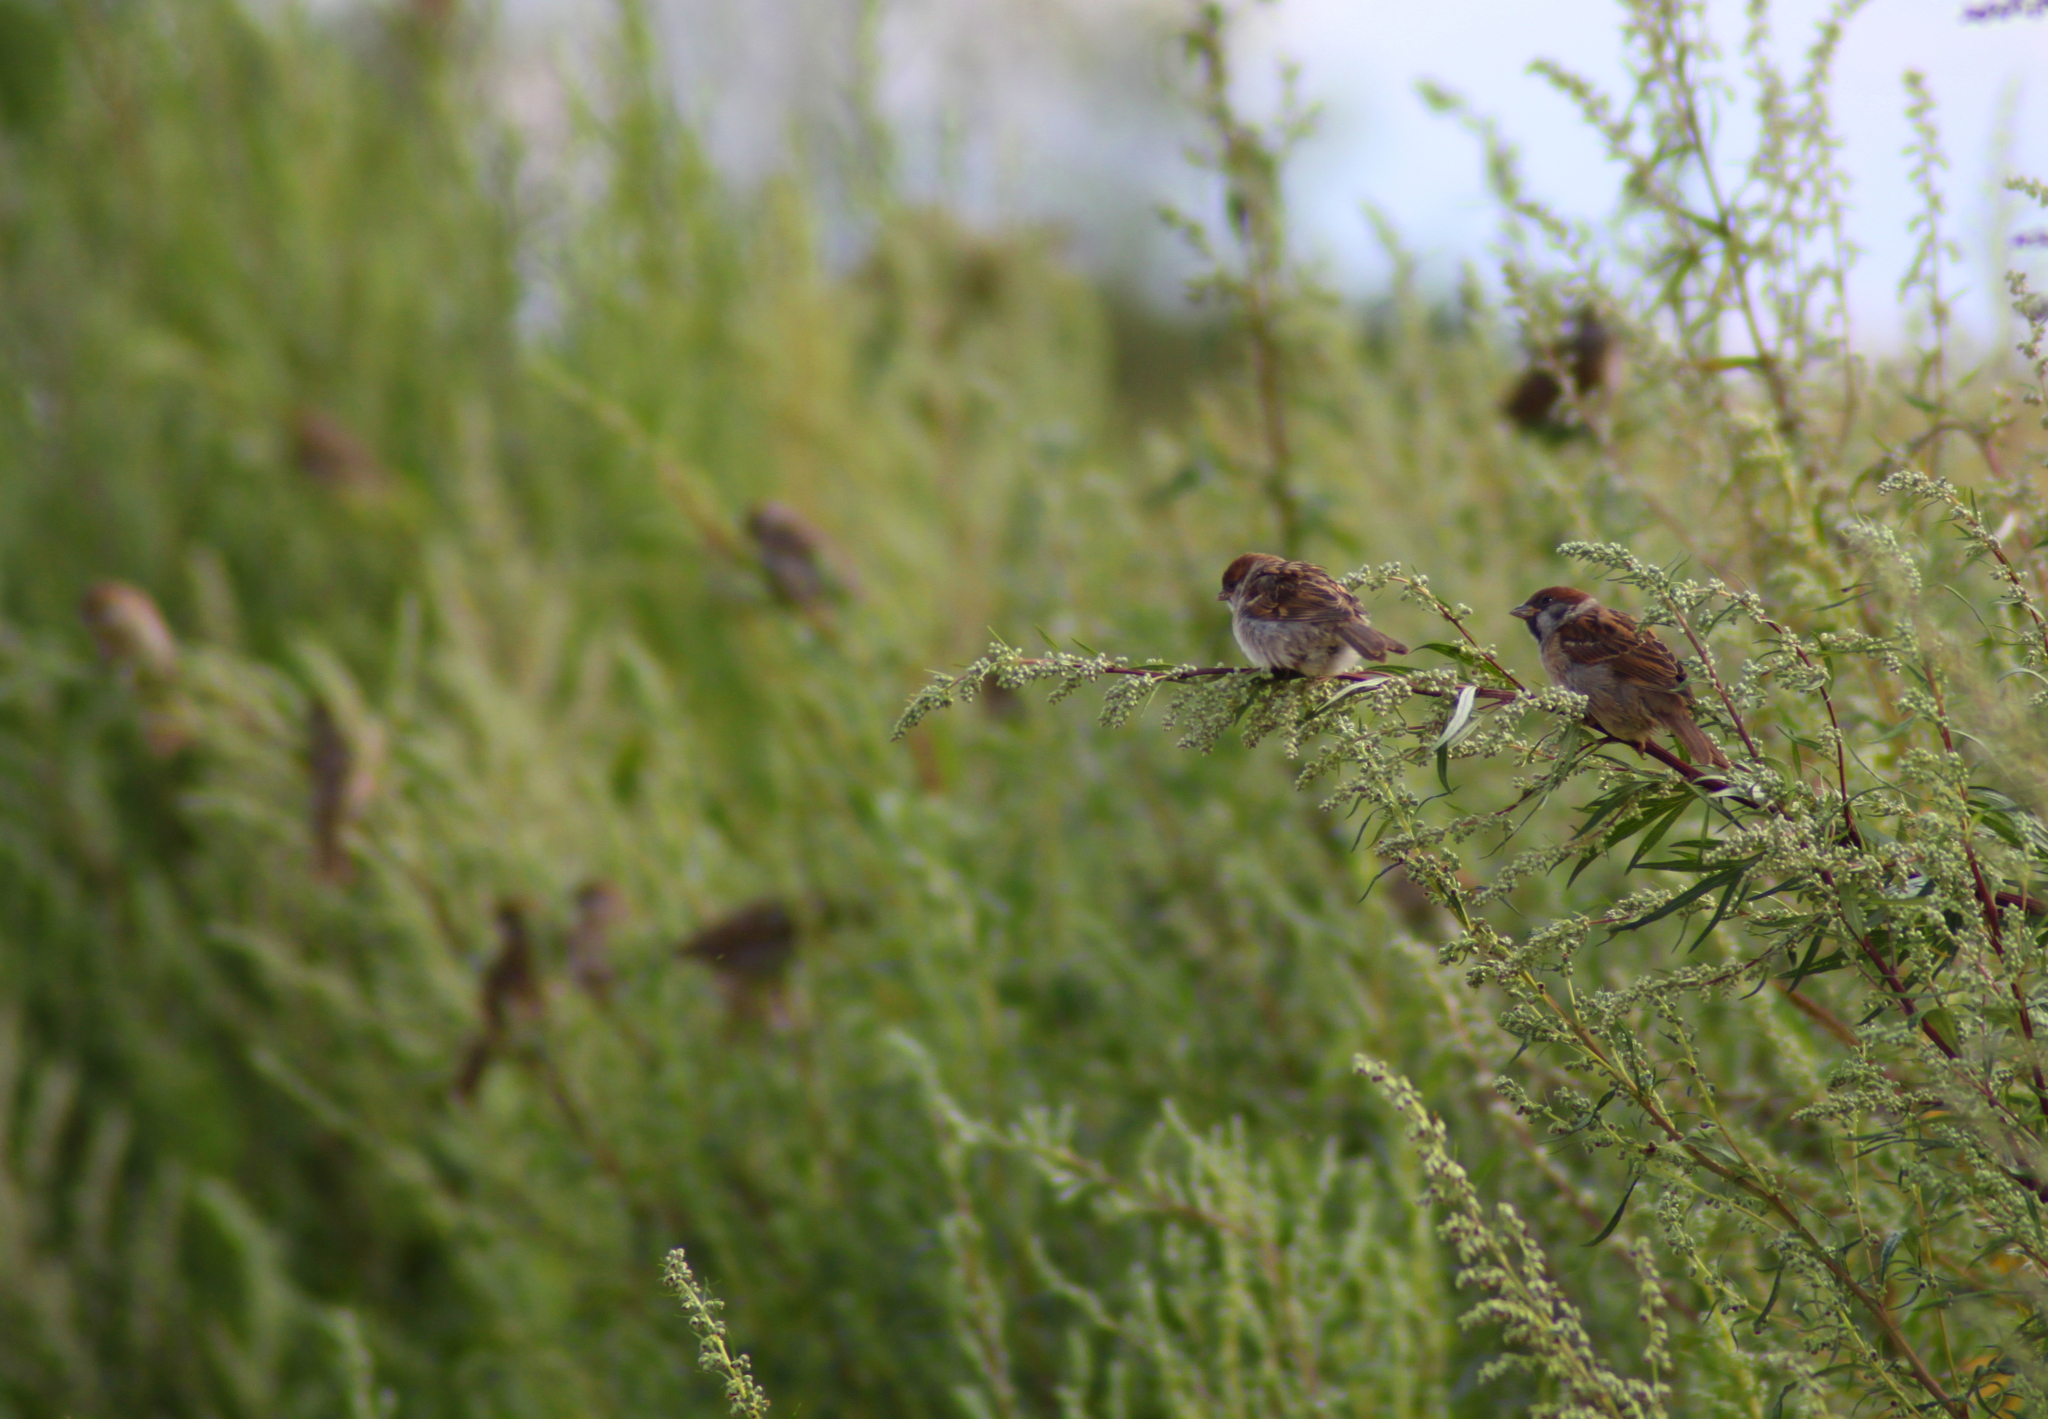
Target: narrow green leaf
x,y
1619,1208
1770,1302
1690,895
1657,831
1456,727
1884,1257
1727,899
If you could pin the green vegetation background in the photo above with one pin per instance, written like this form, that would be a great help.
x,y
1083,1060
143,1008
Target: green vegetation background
x,y
235,1175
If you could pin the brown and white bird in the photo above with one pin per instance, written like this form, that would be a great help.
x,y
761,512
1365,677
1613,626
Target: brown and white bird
x,y
512,1001
134,639
333,455
130,632
1294,616
750,951
1589,356
600,906
1632,682
802,567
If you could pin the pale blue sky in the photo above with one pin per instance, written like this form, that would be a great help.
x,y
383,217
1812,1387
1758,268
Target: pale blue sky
x,y
1060,111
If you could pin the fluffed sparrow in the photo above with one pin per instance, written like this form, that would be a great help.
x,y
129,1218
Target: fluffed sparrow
x,y
1588,355
337,792
333,455
750,951
1295,616
797,559
130,632
600,906
512,998
1631,680
134,639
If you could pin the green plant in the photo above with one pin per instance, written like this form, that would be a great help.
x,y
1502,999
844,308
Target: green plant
x,y
1824,1133
336,1094
714,1355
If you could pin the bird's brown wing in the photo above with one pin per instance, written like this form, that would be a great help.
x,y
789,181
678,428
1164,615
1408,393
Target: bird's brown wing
x,y
1631,654
1300,591
1372,644
1303,592
1296,591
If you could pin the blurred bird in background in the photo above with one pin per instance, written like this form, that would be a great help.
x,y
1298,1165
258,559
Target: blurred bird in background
x,y
340,788
750,951
600,906
132,637
334,456
512,998
1589,356
802,568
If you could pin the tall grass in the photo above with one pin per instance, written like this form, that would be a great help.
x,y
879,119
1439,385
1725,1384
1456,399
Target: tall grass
x,y
302,1107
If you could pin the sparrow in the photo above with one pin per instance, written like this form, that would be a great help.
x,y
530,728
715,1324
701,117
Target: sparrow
x,y
513,998
1296,617
1632,682
751,945
600,906
1589,356
130,632
334,456
751,949
799,563
134,639
339,788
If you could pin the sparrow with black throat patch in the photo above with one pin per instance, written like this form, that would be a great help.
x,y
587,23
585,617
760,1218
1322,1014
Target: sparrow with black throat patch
x,y
1296,617
1632,682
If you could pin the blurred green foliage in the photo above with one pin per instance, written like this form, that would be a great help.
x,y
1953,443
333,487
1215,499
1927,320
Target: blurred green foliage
x,y
325,1086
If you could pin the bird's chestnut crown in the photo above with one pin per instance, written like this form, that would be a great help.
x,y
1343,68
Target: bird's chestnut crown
x,y
1237,571
1550,596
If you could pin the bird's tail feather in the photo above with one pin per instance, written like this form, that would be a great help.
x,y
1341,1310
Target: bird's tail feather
x,y
1694,738
1372,644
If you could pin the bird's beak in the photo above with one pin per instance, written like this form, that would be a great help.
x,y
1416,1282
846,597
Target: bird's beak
x,y
1523,611
1222,596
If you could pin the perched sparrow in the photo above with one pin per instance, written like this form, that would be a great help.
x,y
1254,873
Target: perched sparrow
x,y
338,791
796,557
1631,680
333,455
1590,358
600,906
513,997
130,631
1295,616
751,948
753,944
133,638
